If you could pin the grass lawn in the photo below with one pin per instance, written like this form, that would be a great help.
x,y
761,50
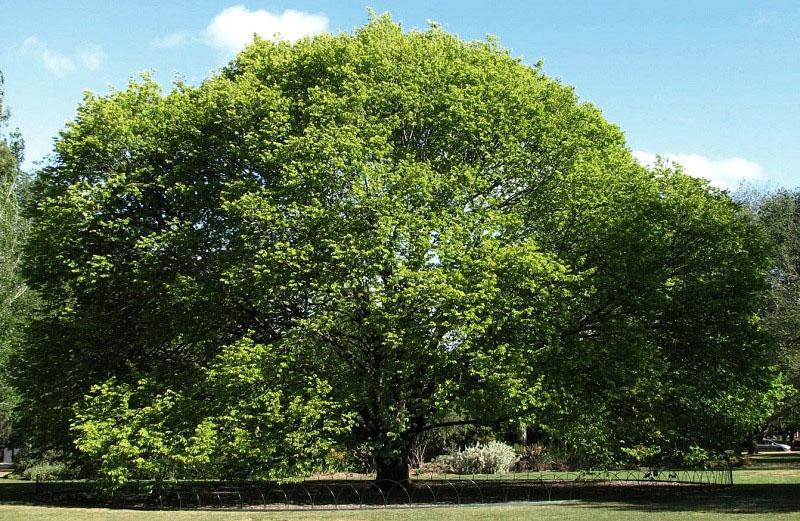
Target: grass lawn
x,y
769,489
728,507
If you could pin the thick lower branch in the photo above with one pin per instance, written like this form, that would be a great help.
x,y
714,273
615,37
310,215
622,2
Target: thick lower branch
x,y
456,423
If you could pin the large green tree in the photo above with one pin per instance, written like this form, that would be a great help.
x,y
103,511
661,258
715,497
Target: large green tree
x,y
14,297
779,213
348,238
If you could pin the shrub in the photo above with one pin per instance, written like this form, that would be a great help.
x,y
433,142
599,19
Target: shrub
x,y
45,465
448,440
490,458
696,457
357,459
641,454
539,457
440,466
45,471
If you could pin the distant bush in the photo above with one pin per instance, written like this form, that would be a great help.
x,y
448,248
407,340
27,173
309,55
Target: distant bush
x,y
43,465
490,458
46,471
641,455
358,459
697,457
538,457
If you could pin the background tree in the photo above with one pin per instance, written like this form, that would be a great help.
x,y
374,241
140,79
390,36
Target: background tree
x,y
406,225
779,213
14,297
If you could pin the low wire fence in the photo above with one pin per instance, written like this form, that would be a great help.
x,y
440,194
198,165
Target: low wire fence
x,y
353,491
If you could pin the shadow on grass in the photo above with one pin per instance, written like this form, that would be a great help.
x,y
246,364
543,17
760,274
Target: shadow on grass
x,y
743,498
738,499
31,493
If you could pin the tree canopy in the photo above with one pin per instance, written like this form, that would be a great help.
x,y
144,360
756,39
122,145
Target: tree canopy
x,y
14,297
779,213
343,240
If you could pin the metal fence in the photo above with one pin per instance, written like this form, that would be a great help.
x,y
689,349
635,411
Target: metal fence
x,y
362,491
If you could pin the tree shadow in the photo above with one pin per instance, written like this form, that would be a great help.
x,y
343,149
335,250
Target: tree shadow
x,y
738,499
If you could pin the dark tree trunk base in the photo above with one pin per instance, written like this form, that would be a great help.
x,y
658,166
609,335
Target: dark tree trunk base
x,y
395,470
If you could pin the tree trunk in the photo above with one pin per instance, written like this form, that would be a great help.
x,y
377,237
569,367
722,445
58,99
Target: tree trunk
x,y
396,468
752,445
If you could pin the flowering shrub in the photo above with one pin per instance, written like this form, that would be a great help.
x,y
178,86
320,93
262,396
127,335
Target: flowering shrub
x,y
490,458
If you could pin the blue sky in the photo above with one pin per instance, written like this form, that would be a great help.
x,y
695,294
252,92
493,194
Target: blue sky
x,y
714,85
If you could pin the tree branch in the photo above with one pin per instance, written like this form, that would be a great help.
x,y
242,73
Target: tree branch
x,y
452,424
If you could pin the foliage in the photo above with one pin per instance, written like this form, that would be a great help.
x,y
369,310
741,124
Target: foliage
x,y
435,442
46,471
491,458
357,460
15,299
779,213
696,457
641,455
540,457
339,242
40,465
239,422
677,283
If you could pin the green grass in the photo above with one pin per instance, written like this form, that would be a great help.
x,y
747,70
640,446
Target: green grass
x,y
768,489
445,514
731,506
767,477
770,468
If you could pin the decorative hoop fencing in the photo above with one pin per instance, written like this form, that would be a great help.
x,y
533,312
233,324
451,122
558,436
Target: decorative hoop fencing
x,y
361,491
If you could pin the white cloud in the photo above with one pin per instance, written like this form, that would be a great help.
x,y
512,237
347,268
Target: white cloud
x,y
90,57
55,62
178,39
724,173
235,26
